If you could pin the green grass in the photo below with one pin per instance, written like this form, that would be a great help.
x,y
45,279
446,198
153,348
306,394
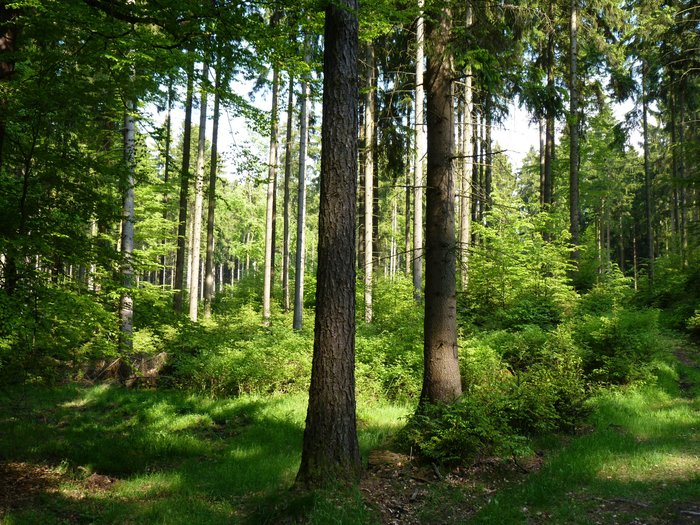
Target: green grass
x,y
640,461
176,458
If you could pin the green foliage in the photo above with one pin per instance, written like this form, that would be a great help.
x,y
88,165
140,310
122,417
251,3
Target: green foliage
x,y
618,345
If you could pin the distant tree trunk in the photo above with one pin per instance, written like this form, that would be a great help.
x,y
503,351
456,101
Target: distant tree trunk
x,y
271,190
573,134
301,210
330,452
126,303
287,176
162,274
407,205
184,190
647,179
547,197
488,166
369,179
465,233
195,248
441,379
420,154
543,154
209,282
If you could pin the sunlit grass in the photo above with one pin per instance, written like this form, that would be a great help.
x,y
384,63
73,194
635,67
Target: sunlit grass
x,y
170,457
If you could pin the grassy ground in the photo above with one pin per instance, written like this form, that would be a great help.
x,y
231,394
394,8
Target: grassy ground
x,y
104,454
108,455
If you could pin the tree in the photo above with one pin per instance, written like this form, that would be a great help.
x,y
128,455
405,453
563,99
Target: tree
x,y
441,377
195,248
209,280
285,203
368,170
573,132
419,159
184,190
126,301
330,452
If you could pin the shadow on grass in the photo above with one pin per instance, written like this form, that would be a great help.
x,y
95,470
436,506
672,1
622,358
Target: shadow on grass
x,y
165,456
174,458
641,465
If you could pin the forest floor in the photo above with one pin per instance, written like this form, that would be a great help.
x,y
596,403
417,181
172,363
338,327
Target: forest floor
x,y
102,454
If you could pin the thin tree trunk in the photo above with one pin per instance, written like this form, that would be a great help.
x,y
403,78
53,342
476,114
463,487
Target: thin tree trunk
x,y
419,160
465,224
369,179
209,282
573,134
301,210
407,205
330,452
285,204
488,166
126,303
441,379
166,179
271,190
647,180
195,248
543,142
184,190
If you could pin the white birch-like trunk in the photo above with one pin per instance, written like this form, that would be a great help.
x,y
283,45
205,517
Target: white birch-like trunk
x,y
300,260
126,303
369,181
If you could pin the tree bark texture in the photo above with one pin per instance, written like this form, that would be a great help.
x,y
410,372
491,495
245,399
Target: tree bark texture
x,y
573,133
195,248
300,259
126,302
466,147
441,379
184,190
420,159
330,451
271,190
209,269
368,168
285,203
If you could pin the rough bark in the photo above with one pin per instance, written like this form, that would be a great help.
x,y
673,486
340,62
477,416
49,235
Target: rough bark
x,y
209,280
441,379
196,245
330,451
184,190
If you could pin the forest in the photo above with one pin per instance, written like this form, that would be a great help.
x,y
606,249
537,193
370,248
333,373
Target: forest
x,y
339,262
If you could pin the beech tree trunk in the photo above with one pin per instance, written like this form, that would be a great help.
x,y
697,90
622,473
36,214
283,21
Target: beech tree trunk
x,y
419,161
209,268
285,204
271,190
162,274
300,259
441,378
184,190
368,169
196,245
573,134
126,302
647,180
330,452
466,146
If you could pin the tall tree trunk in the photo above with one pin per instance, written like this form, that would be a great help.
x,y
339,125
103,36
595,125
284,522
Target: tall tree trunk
x,y
195,248
441,379
543,142
330,452
465,224
300,259
488,166
162,274
285,204
573,133
547,197
8,37
271,190
184,190
647,179
419,160
126,302
407,205
209,281
368,168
